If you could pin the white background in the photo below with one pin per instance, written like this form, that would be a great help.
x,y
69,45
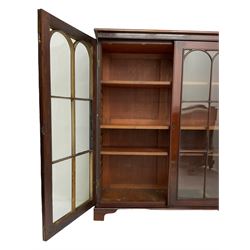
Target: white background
x,y
20,210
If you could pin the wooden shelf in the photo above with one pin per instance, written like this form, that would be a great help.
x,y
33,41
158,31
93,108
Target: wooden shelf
x,y
214,128
134,151
192,152
137,186
119,83
197,152
199,128
185,83
136,196
199,83
216,154
130,126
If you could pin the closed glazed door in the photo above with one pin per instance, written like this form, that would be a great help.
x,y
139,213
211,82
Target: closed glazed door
x,y
194,159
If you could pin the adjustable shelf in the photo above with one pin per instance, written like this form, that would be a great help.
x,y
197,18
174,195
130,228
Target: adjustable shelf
x,y
199,127
133,126
197,152
192,152
213,127
119,83
196,83
134,151
138,186
213,153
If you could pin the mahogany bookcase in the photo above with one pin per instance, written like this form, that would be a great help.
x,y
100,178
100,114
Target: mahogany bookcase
x,y
129,119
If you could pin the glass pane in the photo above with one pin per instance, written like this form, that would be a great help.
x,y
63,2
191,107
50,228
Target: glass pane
x,y
61,189
212,174
82,68
196,76
212,177
194,116
82,178
59,65
214,141
193,148
61,128
193,140
82,126
214,116
215,80
191,176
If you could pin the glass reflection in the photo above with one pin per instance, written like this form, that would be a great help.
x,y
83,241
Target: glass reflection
x,y
193,140
198,157
212,171
191,176
194,115
214,116
212,177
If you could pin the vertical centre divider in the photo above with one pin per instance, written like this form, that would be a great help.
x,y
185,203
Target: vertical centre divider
x,y
73,131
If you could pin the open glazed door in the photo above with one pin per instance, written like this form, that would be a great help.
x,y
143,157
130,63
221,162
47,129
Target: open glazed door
x,y
67,87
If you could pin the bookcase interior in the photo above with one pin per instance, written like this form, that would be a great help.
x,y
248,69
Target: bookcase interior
x,y
136,93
